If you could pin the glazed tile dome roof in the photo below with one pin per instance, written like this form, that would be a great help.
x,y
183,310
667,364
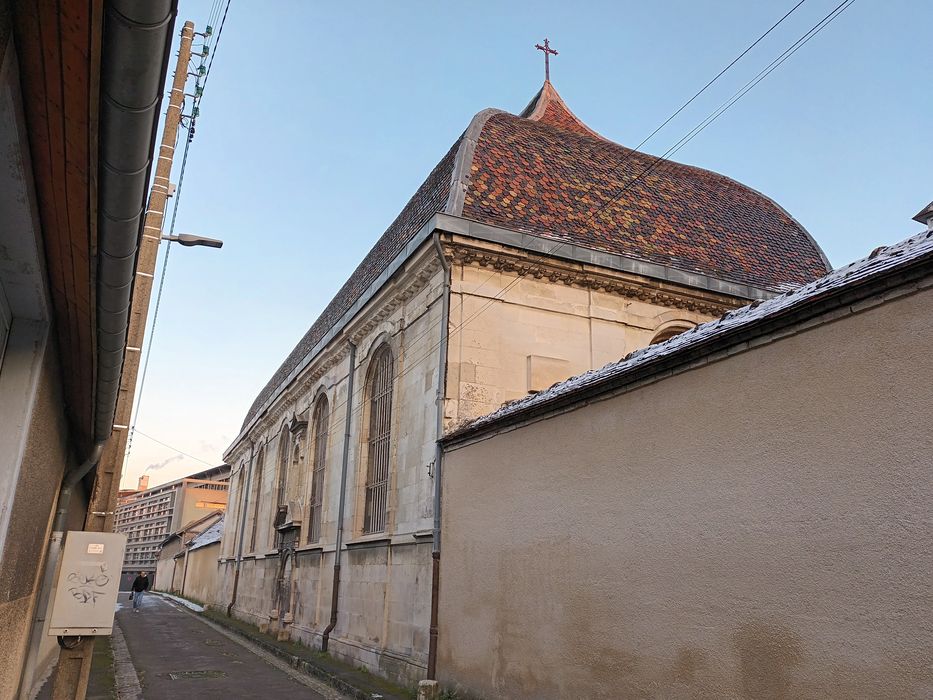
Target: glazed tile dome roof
x,y
546,173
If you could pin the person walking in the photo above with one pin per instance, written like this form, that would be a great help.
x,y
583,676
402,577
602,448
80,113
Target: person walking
x,y
140,586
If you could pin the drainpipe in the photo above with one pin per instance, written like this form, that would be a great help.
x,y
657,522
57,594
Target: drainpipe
x,y
243,512
69,481
184,571
438,460
335,586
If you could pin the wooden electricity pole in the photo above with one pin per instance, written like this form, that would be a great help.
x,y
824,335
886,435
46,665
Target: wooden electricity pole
x,y
74,665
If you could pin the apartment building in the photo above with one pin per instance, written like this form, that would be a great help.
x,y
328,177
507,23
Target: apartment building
x,y
147,516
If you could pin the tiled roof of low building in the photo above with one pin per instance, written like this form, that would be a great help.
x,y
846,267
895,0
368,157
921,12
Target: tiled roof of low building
x,y
210,536
545,172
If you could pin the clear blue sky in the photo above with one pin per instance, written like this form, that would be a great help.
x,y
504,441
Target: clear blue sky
x,y
321,119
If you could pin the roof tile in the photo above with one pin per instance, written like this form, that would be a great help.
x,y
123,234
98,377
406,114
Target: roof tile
x,y
545,172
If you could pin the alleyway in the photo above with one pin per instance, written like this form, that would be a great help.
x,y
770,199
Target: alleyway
x,y
176,654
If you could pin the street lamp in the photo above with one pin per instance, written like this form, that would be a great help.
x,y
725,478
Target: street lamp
x,y
190,240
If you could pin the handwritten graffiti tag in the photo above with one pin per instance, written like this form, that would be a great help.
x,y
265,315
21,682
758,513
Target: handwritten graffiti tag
x,y
87,588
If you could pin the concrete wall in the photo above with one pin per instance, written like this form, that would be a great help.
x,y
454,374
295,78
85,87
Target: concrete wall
x,y
201,573
166,567
758,527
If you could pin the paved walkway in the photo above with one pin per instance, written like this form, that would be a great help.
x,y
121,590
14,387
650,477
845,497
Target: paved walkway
x,y
178,655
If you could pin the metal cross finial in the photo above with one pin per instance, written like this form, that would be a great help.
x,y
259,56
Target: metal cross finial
x,y
547,66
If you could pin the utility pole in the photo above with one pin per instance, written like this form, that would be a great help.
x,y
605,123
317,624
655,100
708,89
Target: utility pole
x,y
74,665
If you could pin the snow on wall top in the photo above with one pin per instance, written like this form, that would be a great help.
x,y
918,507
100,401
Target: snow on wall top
x,y
882,261
210,536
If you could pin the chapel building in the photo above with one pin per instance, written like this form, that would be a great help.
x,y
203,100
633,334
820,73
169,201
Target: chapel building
x,y
535,250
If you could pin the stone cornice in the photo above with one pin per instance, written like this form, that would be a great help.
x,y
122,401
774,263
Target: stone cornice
x,y
554,270
552,249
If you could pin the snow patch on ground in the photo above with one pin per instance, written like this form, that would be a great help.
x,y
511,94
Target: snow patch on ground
x,y
187,603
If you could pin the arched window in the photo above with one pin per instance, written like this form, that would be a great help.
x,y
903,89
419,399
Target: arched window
x,y
319,428
240,514
379,390
668,333
257,492
285,453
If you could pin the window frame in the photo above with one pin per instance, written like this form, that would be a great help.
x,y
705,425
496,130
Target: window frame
x,y
320,426
256,488
284,455
380,394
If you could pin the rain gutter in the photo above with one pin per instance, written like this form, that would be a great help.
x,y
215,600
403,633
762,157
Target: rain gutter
x,y
137,39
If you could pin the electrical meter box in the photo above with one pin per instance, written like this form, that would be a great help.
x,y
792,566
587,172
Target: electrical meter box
x,y
88,583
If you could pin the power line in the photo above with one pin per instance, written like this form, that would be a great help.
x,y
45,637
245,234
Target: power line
x,y
629,156
192,119
658,161
175,449
216,43
720,74
661,160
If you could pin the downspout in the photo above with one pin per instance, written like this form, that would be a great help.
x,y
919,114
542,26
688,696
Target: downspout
x,y
184,571
243,512
335,586
69,481
438,460
136,38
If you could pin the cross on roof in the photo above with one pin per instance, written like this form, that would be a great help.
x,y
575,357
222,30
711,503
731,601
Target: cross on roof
x,y
547,51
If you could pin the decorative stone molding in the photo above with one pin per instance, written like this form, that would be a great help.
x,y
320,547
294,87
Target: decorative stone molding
x,y
552,270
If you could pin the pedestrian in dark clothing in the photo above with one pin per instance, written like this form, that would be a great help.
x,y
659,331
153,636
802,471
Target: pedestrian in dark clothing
x,y
140,586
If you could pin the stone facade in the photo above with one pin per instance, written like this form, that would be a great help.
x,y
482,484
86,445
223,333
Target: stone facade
x,y
518,322
285,581
522,321
558,258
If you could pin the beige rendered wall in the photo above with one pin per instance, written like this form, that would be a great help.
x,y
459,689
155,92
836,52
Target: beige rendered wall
x,y
755,528
166,566
201,574
511,335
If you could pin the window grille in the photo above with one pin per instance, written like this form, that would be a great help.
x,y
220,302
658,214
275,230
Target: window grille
x,y
380,433
257,490
320,422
